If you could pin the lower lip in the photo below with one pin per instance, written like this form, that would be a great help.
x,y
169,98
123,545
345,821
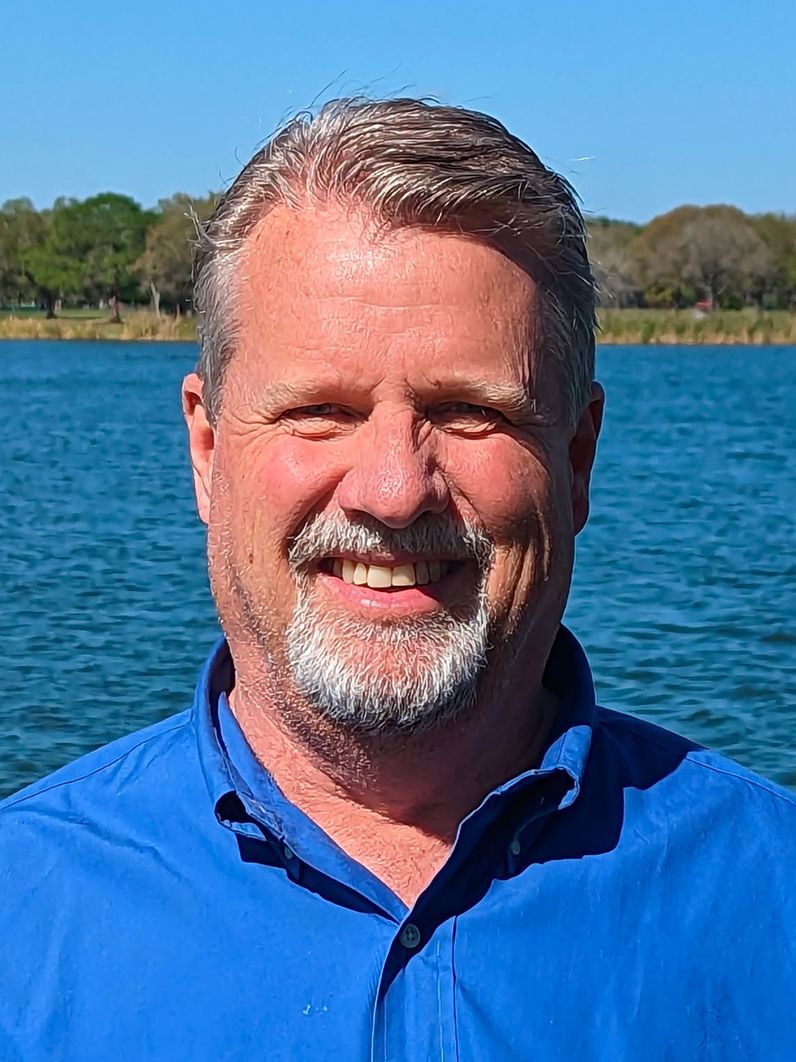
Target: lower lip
x,y
413,600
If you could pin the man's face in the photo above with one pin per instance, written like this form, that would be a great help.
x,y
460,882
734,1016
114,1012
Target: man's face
x,y
391,490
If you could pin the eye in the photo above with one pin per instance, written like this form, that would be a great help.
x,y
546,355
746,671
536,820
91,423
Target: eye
x,y
321,409
320,419
467,416
469,407
326,412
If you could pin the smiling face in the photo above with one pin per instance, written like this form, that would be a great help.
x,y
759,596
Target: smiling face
x,y
391,491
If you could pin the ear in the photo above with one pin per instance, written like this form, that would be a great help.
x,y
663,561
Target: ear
x,y
582,451
201,442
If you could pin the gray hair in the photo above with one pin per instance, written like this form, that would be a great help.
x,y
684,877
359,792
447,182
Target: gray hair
x,y
411,163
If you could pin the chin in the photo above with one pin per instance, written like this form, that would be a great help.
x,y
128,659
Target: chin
x,y
387,677
392,704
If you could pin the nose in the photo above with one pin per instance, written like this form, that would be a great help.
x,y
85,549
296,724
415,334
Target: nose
x,y
393,477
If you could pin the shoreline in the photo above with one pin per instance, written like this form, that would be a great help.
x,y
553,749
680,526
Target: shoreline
x,y
617,328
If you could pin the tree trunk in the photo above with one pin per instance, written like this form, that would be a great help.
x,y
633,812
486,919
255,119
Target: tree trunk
x,y
49,299
113,303
155,293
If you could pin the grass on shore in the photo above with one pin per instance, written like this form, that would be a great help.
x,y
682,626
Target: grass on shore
x,y
682,326
617,326
94,324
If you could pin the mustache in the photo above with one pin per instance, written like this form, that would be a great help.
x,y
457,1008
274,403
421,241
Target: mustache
x,y
443,536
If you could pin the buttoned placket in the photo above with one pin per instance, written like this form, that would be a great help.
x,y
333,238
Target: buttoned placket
x,y
426,941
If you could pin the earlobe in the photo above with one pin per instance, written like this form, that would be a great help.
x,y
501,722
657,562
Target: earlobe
x,y
582,451
201,442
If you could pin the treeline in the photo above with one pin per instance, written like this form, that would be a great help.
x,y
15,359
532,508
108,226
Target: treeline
x,y
101,251
107,250
713,256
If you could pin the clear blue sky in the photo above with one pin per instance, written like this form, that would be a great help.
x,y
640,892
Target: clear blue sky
x,y
642,105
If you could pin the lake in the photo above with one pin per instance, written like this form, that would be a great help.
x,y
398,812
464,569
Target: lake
x,y
685,583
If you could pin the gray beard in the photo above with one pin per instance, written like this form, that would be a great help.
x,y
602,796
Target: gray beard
x,y
365,676
403,677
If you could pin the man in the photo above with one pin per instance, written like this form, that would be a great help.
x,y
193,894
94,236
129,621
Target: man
x,y
393,825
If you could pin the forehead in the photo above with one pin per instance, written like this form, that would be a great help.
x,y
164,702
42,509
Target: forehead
x,y
321,288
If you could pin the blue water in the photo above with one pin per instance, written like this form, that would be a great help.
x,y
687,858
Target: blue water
x,y
685,582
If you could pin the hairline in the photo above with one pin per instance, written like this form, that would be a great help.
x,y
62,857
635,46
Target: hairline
x,y
416,164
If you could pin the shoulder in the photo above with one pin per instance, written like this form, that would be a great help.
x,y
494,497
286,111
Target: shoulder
x,y
664,764
66,839
714,843
131,762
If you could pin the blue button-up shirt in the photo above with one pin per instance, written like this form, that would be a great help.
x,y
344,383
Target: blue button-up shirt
x,y
632,898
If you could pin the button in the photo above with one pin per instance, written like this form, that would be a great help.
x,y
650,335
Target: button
x,y
410,936
515,847
288,852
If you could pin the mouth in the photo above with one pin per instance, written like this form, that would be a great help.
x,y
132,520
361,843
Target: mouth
x,y
383,575
397,584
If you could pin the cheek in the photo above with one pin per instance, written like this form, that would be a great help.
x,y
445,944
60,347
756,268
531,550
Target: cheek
x,y
515,492
505,485
275,484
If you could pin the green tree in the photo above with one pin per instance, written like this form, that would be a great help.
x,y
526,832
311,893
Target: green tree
x,y
610,252
726,261
22,230
165,267
108,233
660,255
52,267
712,253
91,249
778,233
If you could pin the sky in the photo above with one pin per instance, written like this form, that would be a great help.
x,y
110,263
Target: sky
x,y
643,106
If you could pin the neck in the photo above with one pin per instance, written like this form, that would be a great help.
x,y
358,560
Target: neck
x,y
395,804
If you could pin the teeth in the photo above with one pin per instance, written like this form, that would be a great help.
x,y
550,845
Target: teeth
x,y
403,575
378,578
381,576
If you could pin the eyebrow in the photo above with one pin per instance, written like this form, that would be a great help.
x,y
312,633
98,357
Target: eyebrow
x,y
282,393
507,396
516,402
513,400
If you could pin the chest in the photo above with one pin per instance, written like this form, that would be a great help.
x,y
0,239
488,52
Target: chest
x,y
538,966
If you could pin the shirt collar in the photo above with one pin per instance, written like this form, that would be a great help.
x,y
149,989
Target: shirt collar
x,y
232,771
215,678
568,673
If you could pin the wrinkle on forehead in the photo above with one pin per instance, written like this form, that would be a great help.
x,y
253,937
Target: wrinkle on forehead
x,y
353,250
321,280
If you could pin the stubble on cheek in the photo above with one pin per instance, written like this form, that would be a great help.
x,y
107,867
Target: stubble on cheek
x,y
238,569
531,567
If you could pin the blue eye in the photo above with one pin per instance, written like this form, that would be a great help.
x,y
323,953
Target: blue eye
x,y
322,409
319,411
